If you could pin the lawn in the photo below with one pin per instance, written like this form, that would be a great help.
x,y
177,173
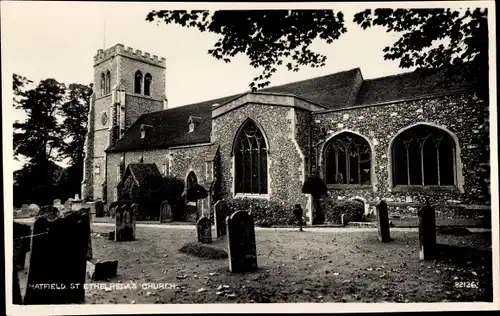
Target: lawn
x,y
342,265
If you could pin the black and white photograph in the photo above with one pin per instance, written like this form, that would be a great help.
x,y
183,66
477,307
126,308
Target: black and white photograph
x,y
249,157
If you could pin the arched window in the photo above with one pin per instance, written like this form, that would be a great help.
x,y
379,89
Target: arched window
x,y
103,84
191,181
138,82
147,84
108,82
423,155
347,160
250,158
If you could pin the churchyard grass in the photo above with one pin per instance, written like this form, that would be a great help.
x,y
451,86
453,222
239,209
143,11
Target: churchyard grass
x,y
346,265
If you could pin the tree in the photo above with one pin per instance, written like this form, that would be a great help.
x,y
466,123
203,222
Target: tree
x,y
74,127
271,38
436,39
39,137
75,112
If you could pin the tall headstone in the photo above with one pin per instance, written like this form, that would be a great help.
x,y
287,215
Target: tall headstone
x,y
383,222
62,242
204,230
125,223
22,244
242,250
99,208
166,214
221,211
427,233
49,211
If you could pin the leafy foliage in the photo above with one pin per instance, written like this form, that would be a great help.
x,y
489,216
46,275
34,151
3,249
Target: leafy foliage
x,y
435,39
429,38
40,135
75,112
265,213
352,210
54,129
269,38
197,192
315,186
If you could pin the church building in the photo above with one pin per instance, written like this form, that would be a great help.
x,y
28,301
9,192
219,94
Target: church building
x,y
403,138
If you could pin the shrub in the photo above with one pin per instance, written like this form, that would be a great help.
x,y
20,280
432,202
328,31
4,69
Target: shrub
x,y
265,213
353,211
43,194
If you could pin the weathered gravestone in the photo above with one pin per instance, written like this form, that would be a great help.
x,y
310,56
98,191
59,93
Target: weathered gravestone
x,y
105,270
112,209
242,250
49,211
33,209
166,214
204,230
221,211
85,218
427,232
99,208
57,202
22,244
57,263
17,298
125,223
383,222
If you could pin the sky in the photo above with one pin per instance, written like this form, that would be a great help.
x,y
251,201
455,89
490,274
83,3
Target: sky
x,y
59,39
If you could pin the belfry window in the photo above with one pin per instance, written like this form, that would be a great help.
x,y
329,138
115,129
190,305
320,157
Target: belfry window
x,y
422,156
147,84
108,83
250,158
137,82
103,84
347,160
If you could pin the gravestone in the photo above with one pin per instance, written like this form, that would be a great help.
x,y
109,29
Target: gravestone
x,y
49,211
68,205
204,230
33,209
57,202
87,224
99,208
383,222
125,223
22,244
242,251
221,211
17,298
427,232
166,214
105,270
56,244
112,209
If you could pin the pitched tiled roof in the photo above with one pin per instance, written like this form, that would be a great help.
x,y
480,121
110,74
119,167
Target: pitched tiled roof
x,y
332,91
407,85
170,127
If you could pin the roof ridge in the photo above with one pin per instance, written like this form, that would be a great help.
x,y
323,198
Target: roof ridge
x,y
314,78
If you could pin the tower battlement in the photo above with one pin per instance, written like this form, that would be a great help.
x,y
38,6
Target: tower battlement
x,y
120,49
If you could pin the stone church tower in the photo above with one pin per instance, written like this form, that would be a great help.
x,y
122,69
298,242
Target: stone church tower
x,y
127,84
